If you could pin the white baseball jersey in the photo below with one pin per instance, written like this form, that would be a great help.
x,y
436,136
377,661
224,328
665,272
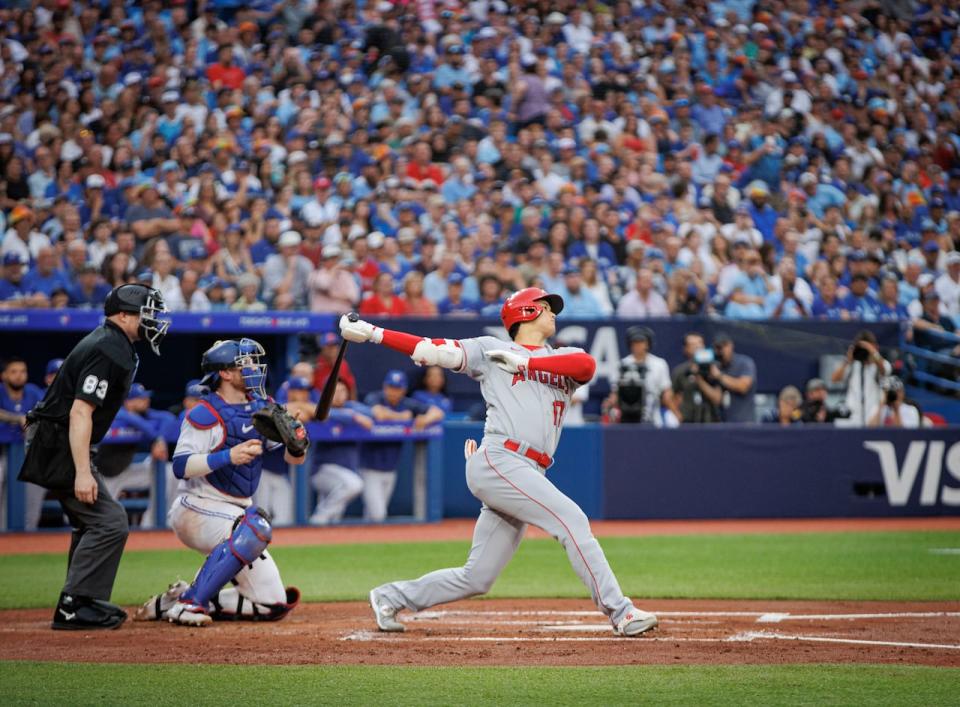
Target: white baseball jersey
x,y
528,407
194,441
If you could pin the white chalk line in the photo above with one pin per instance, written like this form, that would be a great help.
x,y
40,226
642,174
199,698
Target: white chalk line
x,y
944,550
752,635
493,617
371,636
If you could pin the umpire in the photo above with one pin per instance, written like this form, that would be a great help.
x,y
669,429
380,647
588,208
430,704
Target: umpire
x,y
75,414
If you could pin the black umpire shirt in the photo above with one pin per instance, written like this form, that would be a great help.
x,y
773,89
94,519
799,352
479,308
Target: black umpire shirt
x,y
99,371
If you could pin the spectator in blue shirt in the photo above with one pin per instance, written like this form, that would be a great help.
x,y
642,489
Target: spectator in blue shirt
x,y
826,305
45,277
820,196
706,113
764,216
459,185
859,301
433,389
578,301
17,398
89,291
889,308
454,303
11,279
748,295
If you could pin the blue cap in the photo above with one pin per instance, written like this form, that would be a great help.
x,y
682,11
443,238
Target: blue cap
x,y
455,278
937,201
931,247
928,225
53,365
138,391
210,282
13,259
654,254
297,383
197,251
857,256
145,275
681,103
169,166
571,269
395,379
194,389
328,338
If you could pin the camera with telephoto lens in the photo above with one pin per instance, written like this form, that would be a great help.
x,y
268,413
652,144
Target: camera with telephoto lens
x,y
631,392
891,387
701,359
861,353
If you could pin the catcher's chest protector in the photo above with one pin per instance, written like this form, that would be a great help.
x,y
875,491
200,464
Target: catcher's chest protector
x,y
237,423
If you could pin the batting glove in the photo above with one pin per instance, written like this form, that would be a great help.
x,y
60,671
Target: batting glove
x,y
507,360
360,331
446,355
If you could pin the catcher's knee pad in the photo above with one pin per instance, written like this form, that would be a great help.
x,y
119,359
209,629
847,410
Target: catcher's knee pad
x,y
251,535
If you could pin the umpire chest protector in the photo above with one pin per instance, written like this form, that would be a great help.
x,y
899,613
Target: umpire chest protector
x,y
236,421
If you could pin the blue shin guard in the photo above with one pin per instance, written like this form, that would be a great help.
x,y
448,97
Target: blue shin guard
x,y
250,537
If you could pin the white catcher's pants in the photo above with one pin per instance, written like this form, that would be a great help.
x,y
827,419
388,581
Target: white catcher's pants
x,y
336,487
203,523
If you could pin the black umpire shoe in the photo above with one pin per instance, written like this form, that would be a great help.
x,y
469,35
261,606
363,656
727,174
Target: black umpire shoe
x,y
85,614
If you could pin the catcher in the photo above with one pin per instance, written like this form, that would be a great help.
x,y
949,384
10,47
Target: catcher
x,y
218,459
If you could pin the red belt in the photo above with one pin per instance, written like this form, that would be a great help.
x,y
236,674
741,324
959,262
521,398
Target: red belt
x,y
529,452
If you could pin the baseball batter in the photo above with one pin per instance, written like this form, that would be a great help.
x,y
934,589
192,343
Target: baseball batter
x,y
527,386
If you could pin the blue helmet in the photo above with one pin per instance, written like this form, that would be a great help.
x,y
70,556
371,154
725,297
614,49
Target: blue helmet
x,y
245,354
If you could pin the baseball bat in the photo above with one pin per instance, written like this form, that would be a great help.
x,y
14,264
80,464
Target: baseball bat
x,y
330,387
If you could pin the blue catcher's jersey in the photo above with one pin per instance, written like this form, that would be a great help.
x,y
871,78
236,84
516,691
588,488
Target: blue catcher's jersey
x,y
212,425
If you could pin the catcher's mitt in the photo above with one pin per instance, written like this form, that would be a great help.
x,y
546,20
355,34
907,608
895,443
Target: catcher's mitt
x,y
276,424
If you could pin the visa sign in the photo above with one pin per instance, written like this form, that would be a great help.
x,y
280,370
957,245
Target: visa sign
x,y
900,479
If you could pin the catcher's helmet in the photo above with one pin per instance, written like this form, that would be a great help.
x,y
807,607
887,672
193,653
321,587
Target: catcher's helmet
x,y
245,354
145,301
526,305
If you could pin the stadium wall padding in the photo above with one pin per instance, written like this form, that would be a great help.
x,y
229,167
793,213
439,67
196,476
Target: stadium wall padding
x,y
752,471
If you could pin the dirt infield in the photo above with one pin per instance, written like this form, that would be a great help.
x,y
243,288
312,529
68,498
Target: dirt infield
x,y
462,529
527,632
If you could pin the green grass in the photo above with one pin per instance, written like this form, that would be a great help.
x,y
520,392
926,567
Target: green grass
x,y
857,566
86,684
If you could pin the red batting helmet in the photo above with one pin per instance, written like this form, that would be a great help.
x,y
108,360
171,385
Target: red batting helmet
x,y
525,306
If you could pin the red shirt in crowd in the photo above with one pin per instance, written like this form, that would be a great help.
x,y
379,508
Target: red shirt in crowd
x,y
368,272
322,371
226,76
374,306
429,171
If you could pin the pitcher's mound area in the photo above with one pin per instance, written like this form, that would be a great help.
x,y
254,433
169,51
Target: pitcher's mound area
x,y
522,632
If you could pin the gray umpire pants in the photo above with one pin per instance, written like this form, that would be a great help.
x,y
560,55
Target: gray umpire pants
x,y
99,535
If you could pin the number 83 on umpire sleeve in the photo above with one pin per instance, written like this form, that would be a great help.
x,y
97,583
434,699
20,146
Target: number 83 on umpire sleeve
x,y
94,386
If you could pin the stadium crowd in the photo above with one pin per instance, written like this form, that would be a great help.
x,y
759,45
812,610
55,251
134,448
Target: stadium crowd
x,y
643,159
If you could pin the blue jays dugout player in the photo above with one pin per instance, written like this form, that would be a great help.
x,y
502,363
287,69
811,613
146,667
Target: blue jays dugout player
x,y
219,460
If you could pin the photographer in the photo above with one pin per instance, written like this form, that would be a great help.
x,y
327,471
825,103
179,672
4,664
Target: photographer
x,y
894,411
861,372
643,385
696,394
737,376
815,407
